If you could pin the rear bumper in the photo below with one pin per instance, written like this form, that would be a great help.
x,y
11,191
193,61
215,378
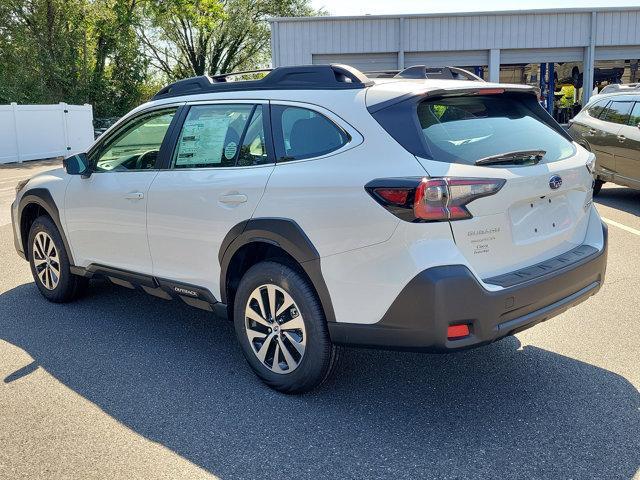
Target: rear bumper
x,y
441,296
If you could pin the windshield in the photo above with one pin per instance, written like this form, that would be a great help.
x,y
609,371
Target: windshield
x,y
469,128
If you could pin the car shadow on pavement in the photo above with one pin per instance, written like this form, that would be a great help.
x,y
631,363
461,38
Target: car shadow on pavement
x,y
175,375
620,198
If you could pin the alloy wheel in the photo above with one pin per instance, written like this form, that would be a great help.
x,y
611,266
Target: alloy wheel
x,y
46,260
275,328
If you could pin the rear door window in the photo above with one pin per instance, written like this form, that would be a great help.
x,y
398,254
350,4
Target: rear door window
x,y
301,133
617,112
634,118
597,108
465,129
221,135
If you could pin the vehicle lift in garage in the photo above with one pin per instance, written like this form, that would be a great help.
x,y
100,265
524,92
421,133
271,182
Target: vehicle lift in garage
x,y
547,87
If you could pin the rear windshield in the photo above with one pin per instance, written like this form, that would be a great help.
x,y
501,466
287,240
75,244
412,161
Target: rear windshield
x,y
468,128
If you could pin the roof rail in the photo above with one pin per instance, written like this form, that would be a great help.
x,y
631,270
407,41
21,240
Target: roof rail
x,y
445,73
620,87
305,77
381,73
424,72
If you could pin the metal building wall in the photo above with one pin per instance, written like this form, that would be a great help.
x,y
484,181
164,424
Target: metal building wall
x,y
501,37
298,38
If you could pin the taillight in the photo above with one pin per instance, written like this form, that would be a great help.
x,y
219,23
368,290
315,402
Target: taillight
x,y
431,199
430,202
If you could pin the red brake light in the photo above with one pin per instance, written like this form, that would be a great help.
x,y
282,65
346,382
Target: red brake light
x,y
397,196
490,91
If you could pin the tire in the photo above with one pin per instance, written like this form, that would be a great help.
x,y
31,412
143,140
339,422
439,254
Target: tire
x,y
302,314
50,264
597,185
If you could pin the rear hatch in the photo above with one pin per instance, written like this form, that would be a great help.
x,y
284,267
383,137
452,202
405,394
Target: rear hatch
x,y
540,208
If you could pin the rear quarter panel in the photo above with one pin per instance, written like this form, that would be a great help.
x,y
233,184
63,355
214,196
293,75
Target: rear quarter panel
x,y
326,195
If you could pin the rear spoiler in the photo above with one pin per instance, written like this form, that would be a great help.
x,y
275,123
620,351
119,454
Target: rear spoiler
x,y
454,92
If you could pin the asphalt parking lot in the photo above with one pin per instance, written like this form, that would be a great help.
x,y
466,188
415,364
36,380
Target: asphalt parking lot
x,y
123,385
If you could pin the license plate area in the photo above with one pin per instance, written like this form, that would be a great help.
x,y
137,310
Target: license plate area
x,y
539,218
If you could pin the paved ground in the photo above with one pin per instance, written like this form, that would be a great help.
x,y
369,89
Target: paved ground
x,y
122,385
11,174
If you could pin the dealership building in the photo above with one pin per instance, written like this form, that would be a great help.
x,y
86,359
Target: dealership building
x,y
587,46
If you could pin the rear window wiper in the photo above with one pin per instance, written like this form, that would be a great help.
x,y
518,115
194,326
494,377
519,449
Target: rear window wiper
x,y
523,157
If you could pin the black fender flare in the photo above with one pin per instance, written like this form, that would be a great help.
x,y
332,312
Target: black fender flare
x,y
41,197
287,235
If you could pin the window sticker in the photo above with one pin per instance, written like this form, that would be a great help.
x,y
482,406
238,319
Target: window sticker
x,y
202,140
230,150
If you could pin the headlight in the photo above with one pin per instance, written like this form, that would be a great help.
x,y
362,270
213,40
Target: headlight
x,y
591,162
21,185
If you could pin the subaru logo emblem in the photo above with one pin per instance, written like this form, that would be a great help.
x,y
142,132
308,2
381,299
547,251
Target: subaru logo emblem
x,y
555,182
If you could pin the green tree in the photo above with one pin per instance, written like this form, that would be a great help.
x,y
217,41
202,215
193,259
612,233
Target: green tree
x,y
195,37
74,51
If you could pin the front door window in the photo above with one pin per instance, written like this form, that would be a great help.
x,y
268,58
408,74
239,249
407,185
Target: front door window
x,y
136,145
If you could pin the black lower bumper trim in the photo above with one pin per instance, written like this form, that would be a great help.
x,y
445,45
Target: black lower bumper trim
x,y
543,268
16,242
442,296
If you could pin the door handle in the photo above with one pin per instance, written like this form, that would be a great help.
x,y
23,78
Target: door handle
x,y
233,198
134,196
621,138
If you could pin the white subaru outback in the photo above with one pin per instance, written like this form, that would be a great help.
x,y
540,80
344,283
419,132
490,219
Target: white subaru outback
x,y
317,208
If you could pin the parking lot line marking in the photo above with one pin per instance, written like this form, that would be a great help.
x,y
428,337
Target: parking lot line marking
x,y
623,227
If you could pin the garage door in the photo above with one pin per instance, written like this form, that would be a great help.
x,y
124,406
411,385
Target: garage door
x,y
365,62
462,58
617,53
541,55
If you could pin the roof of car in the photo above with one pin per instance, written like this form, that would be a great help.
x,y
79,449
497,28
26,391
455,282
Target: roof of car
x,y
628,95
415,80
308,77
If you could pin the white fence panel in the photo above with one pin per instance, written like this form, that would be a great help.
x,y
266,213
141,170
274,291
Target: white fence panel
x,y
30,132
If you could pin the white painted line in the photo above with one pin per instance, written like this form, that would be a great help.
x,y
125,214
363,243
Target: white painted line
x,y
623,227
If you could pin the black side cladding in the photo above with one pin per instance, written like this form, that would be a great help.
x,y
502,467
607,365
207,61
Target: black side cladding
x,y
43,199
287,235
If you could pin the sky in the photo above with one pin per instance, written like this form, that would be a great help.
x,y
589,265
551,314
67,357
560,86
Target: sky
x,y
383,7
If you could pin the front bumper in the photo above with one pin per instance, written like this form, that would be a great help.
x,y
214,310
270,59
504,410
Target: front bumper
x,y
17,241
442,296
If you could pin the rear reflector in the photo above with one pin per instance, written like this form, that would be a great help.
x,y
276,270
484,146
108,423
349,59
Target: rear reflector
x,y
457,331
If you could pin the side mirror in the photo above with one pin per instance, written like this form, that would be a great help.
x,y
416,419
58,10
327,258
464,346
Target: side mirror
x,y
77,165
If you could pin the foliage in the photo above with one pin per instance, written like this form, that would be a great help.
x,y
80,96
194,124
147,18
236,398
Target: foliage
x,y
116,53
196,37
76,51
